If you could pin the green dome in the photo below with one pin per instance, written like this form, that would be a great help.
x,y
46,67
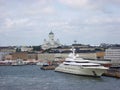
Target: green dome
x,y
51,33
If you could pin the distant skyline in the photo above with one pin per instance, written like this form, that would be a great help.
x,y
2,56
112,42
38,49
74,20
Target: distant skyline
x,y
28,22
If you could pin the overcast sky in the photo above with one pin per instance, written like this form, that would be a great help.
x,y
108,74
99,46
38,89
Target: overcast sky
x,y
28,22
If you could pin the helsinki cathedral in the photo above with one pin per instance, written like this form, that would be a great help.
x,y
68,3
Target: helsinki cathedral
x,y
50,43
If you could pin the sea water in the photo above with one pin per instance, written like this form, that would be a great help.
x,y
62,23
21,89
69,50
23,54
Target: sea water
x,y
31,77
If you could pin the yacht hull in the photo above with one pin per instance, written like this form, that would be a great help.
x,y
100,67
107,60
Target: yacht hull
x,y
87,71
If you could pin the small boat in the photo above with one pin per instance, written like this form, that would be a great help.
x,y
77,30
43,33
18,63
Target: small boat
x,y
39,63
18,62
48,67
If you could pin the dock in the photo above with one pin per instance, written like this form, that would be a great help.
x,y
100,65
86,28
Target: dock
x,y
112,73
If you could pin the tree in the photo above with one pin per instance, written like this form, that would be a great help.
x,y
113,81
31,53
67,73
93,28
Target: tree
x,y
37,48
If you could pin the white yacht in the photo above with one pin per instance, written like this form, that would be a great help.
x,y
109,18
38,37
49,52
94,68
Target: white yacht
x,y
79,66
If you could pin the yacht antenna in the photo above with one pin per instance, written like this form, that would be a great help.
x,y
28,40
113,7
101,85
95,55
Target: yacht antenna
x,y
73,50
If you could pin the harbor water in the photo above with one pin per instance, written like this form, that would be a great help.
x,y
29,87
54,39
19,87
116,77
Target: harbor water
x,y
31,77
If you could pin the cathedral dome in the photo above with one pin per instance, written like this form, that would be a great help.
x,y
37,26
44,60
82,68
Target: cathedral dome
x,y
51,33
51,43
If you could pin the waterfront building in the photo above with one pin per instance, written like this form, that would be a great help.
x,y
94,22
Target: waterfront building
x,y
7,49
32,56
100,55
3,54
26,48
51,43
113,54
8,57
53,56
46,57
20,55
81,48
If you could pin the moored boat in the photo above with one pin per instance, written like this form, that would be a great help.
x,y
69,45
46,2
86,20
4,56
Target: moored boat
x,y
48,67
18,62
79,66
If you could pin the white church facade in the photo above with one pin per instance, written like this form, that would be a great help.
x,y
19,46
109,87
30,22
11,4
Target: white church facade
x,y
51,42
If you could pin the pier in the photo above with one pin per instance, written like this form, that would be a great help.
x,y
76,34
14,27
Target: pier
x,y
112,73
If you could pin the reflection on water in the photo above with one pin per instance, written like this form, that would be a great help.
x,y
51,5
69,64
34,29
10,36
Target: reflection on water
x,y
32,78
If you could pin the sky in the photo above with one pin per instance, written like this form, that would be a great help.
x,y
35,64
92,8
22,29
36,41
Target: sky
x,y
28,22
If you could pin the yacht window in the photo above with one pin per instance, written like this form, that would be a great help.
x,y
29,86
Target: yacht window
x,y
66,64
90,65
67,61
81,62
